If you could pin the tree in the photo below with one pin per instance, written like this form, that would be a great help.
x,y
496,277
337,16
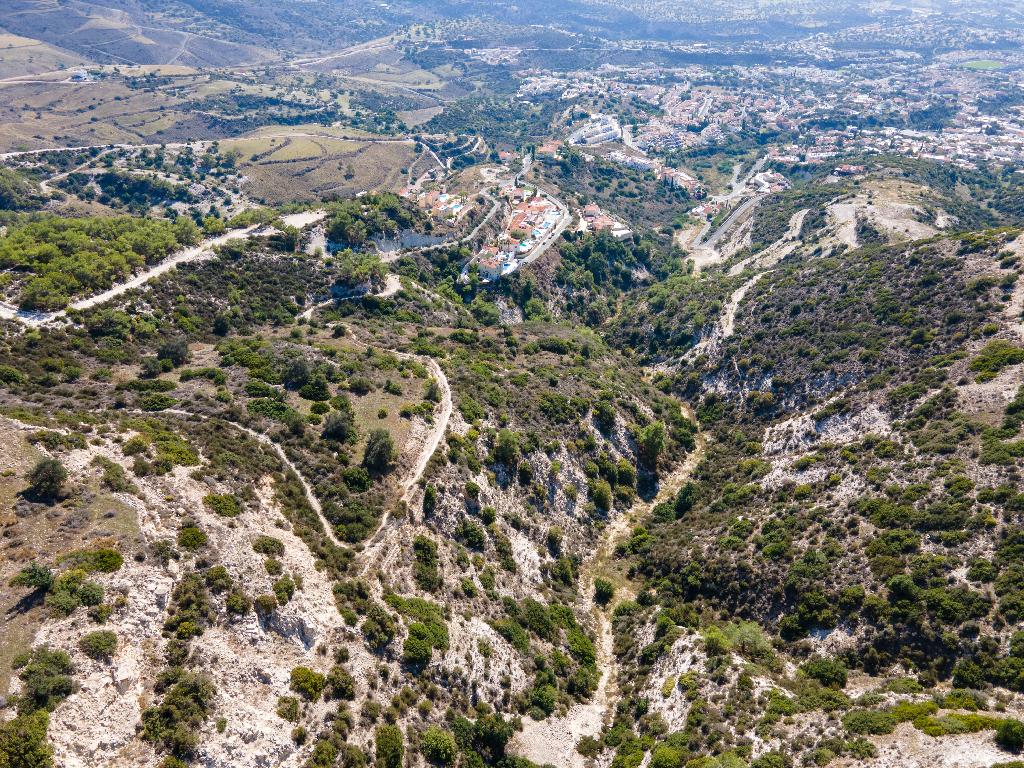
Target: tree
x,y
35,576
1010,735
650,442
340,425
296,373
46,480
23,742
506,447
389,746
175,350
438,746
604,591
380,450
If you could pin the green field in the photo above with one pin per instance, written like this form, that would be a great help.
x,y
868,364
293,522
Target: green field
x,y
984,64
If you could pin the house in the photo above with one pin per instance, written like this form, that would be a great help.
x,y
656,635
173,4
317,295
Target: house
x,y
491,268
682,180
845,169
631,161
549,149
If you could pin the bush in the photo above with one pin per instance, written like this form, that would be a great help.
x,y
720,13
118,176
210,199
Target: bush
x,y
506,447
1010,735
23,742
425,569
191,538
288,708
102,559
340,684
601,494
268,545
99,645
665,756
828,672
389,746
417,649
994,357
46,679
223,504
237,603
438,746
307,683
175,723
380,451
71,590
604,591
869,721
47,478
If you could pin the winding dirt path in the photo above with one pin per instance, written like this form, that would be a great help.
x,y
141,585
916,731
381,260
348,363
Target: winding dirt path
x,y
201,252
553,741
307,488
766,261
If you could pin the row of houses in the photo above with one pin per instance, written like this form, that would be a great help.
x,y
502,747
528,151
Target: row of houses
x,y
593,219
533,217
438,203
672,176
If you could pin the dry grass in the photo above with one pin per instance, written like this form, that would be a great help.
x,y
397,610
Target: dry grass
x,y
89,516
24,56
278,179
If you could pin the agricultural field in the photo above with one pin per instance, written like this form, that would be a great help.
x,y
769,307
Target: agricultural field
x,y
21,56
307,168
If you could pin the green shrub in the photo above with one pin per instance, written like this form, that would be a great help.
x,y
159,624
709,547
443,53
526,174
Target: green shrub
x,y
237,603
417,648
102,559
425,570
390,748
23,741
341,684
828,672
176,722
46,679
288,708
268,545
307,683
99,645
438,746
223,504
869,721
995,356
191,538
1010,735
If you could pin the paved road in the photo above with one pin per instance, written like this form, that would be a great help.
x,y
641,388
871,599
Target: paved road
x,y
726,225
